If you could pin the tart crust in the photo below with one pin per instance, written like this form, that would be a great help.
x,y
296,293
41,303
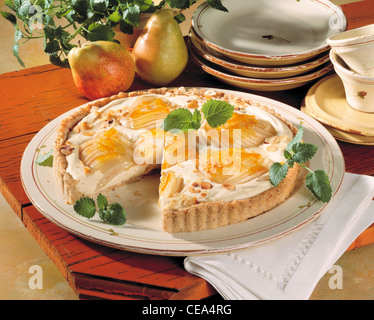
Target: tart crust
x,y
201,216
209,215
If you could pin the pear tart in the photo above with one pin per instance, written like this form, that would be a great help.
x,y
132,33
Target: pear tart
x,y
208,177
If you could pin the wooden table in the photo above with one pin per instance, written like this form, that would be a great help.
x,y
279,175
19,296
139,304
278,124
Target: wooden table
x,y
33,97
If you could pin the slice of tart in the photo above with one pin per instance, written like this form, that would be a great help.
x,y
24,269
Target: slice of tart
x,y
208,182
108,143
210,177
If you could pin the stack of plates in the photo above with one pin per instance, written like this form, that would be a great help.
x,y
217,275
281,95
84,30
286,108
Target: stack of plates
x,y
266,45
327,103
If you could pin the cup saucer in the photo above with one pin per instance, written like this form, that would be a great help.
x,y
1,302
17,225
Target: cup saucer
x,y
342,135
326,102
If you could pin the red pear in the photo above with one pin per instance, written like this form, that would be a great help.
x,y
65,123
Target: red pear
x,y
101,68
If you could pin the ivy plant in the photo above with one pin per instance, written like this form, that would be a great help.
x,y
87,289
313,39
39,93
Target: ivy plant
x,y
92,19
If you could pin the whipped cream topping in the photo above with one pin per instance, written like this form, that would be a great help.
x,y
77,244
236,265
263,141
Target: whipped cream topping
x,y
117,115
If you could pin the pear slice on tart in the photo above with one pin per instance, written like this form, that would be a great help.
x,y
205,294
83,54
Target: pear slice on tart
x,y
242,128
203,183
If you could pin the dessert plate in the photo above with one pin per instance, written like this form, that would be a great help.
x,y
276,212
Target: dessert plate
x,y
269,32
260,84
326,101
143,232
253,71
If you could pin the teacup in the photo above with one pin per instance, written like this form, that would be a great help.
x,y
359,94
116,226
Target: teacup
x,y
359,89
356,48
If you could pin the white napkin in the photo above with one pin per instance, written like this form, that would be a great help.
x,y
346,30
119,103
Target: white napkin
x,y
291,266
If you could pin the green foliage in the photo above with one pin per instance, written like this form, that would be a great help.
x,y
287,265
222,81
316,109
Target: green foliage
x,y
45,159
182,119
92,19
298,152
216,113
113,213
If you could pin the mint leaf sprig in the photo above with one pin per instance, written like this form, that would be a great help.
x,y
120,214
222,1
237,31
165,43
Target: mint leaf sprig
x,y
182,119
113,213
45,159
216,113
299,152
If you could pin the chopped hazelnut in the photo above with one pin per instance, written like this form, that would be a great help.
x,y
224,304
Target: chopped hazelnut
x,y
86,126
193,190
192,104
188,202
206,185
66,150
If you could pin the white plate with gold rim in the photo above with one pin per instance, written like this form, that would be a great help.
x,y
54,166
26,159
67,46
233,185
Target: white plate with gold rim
x,y
143,232
260,84
327,102
253,71
269,32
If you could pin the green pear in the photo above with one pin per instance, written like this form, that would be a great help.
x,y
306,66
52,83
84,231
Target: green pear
x,y
160,53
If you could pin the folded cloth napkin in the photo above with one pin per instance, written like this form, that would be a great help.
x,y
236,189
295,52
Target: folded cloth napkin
x,y
291,266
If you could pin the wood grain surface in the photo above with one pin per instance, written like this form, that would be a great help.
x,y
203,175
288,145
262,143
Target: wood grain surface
x,y
33,97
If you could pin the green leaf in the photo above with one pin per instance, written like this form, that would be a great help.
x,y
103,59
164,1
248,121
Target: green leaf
x,y
277,173
98,31
15,50
57,61
10,5
131,15
45,159
114,215
24,9
196,119
287,154
182,119
217,112
115,17
10,17
85,207
51,33
217,4
144,5
51,47
99,5
102,201
303,152
297,138
81,6
318,183
180,17
48,20
179,4
74,16
126,27
290,163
